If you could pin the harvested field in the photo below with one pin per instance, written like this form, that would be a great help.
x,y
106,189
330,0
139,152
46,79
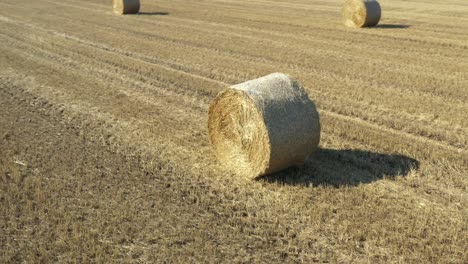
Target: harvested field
x,y
104,150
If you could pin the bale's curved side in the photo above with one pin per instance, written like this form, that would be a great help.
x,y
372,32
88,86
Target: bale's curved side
x,y
361,13
264,125
122,7
374,12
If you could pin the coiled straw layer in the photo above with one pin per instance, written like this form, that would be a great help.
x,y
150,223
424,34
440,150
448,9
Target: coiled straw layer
x,y
361,13
263,126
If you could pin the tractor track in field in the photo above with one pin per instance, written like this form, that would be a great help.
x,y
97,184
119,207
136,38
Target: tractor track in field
x,y
420,148
332,114
134,56
104,153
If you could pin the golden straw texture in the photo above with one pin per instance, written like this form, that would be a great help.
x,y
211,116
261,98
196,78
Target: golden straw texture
x,y
122,7
361,13
263,126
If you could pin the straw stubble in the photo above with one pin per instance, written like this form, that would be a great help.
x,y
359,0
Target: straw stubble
x,y
263,126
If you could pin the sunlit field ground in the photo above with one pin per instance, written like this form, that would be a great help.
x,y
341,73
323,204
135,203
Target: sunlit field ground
x,y
104,154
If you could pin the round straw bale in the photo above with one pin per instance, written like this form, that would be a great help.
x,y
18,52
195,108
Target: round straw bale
x,y
122,7
361,13
263,126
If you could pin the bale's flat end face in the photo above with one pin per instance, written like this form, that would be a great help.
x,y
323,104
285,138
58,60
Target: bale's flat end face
x,y
237,133
354,13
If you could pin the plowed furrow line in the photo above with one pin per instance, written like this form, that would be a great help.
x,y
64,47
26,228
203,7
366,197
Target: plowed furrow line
x,y
357,84
116,131
169,65
85,53
391,140
364,129
109,78
207,85
216,183
141,134
148,127
443,132
160,118
109,72
431,87
116,126
322,47
319,35
431,82
307,39
245,17
105,9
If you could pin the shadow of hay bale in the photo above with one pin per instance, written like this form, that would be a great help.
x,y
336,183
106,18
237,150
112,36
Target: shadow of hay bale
x,y
153,13
394,26
331,167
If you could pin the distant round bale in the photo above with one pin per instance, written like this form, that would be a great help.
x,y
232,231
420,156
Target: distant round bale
x,y
361,13
122,7
263,126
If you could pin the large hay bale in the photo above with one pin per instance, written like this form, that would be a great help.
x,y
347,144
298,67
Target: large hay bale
x,y
122,7
264,125
361,13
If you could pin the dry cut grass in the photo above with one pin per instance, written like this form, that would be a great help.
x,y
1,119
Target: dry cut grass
x,y
104,152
